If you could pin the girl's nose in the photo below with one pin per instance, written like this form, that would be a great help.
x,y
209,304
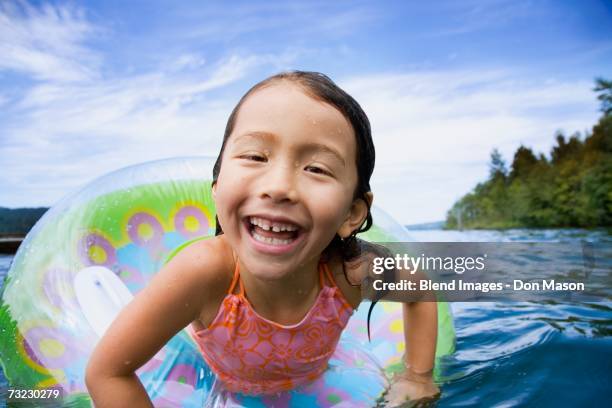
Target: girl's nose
x,y
279,183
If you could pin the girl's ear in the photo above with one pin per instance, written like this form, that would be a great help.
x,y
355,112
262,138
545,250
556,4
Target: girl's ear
x,y
214,188
356,215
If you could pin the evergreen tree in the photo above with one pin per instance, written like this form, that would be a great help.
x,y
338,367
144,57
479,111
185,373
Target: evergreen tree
x,y
524,161
497,165
604,89
564,149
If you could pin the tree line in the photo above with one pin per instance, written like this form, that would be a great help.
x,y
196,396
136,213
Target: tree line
x,y
570,188
18,221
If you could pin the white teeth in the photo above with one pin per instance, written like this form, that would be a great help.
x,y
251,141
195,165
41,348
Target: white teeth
x,y
274,226
273,241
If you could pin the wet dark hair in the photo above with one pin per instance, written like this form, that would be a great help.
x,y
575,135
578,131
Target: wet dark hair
x,y
322,88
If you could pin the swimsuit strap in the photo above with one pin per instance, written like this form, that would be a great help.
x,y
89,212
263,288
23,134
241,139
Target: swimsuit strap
x,y
321,269
241,291
235,278
324,268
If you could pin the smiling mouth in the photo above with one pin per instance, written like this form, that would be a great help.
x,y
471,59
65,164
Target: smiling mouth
x,y
271,232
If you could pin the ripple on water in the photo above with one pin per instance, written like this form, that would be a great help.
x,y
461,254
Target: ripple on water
x,y
529,354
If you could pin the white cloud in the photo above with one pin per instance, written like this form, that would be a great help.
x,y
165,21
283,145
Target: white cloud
x,y
46,42
434,131
187,62
293,19
72,124
62,135
471,16
150,115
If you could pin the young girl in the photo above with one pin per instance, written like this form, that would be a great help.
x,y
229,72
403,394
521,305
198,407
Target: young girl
x,y
291,188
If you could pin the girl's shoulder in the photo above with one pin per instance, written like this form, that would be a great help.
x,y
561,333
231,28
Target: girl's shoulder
x,y
210,259
212,262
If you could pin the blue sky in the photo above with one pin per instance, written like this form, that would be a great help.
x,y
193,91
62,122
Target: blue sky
x,y
89,87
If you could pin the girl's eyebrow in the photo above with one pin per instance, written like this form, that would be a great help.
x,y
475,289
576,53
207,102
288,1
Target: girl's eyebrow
x,y
309,146
326,149
256,135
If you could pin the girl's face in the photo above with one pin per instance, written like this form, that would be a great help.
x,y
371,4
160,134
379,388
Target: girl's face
x,y
287,179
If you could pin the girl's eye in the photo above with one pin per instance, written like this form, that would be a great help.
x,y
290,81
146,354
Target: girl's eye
x,y
317,170
254,157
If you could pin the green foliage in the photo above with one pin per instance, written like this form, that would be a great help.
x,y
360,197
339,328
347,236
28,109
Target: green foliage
x,y
563,149
573,189
604,89
524,161
497,167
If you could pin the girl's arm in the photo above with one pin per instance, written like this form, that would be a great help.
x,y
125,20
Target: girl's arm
x,y
185,289
420,329
421,333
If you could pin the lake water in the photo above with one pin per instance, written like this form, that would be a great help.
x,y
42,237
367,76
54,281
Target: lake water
x,y
520,353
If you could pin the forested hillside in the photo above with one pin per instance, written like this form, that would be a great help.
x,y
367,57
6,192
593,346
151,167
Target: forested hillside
x,y
571,187
19,221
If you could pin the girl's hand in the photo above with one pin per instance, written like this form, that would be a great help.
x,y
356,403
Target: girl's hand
x,y
410,389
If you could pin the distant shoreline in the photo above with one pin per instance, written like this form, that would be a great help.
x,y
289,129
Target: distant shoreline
x,y
9,243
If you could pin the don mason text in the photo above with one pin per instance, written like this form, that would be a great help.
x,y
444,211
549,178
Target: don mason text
x,y
549,284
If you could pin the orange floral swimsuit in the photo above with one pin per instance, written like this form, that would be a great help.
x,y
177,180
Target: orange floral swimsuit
x,y
253,355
